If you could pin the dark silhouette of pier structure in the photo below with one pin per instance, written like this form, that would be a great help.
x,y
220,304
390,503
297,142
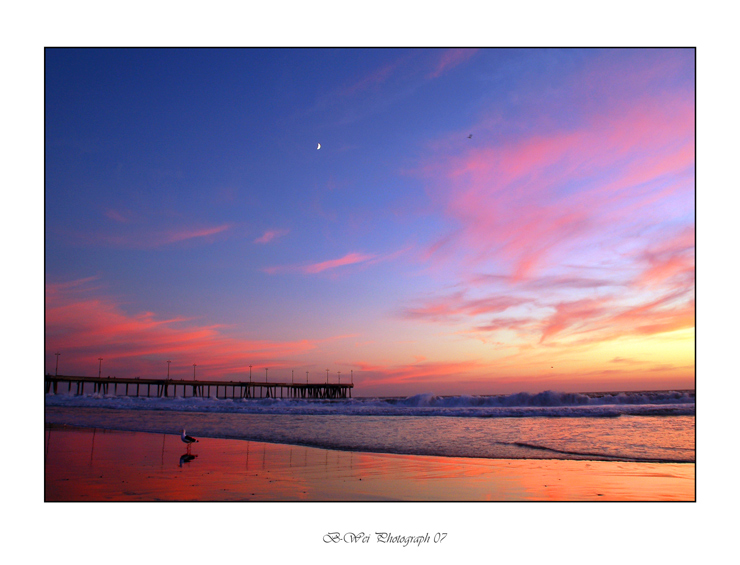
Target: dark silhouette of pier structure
x,y
136,386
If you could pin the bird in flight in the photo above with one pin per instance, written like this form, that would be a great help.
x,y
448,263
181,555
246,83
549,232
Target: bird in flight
x,y
319,147
470,136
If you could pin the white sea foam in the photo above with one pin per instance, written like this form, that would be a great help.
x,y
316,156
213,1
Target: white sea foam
x,y
638,426
547,404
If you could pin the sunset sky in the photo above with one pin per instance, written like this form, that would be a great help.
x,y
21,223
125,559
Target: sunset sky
x,y
190,216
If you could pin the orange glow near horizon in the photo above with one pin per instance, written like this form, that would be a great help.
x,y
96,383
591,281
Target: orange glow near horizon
x,y
656,357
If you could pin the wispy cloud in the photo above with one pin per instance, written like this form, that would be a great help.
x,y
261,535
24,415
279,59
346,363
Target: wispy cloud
x,y
574,314
54,290
118,216
513,202
672,260
375,78
142,237
450,59
349,259
527,201
314,268
624,360
182,235
270,235
612,191
353,258
428,371
84,324
458,305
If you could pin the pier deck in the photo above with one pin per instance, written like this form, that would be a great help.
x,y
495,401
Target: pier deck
x,y
194,388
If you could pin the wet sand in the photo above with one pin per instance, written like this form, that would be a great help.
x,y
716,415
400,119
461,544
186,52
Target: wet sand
x,y
83,464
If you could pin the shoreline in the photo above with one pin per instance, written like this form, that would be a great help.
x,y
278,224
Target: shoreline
x,y
94,464
582,456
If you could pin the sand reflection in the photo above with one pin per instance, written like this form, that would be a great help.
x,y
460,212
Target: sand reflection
x,y
84,464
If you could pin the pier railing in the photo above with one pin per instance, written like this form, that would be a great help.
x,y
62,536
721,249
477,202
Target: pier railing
x,y
193,388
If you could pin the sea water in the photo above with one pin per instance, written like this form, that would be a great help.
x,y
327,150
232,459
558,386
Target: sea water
x,y
626,426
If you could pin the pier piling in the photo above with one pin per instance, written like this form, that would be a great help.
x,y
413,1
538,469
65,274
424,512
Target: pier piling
x,y
198,388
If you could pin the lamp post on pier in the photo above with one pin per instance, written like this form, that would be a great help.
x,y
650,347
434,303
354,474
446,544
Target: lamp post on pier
x,y
194,365
339,376
265,374
327,376
100,367
306,377
352,376
56,371
168,369
250,373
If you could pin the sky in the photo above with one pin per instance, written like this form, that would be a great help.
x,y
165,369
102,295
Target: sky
x,y
476,221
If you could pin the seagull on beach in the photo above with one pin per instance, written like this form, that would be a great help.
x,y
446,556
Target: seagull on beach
x,y
187,439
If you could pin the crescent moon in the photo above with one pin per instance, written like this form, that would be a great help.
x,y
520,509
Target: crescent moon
x,y
319,147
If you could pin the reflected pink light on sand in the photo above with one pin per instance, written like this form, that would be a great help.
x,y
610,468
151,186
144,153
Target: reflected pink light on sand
x,y
85,465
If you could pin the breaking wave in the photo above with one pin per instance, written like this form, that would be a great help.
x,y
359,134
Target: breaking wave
x,y
548,404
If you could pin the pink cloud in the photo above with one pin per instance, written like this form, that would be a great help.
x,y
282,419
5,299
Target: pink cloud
x,y
83,325
314,268
429,371
604,319
516,324
514,201
449,308
270,235
670,260
450,59
667,313
182,235
144,238
349,259
573,314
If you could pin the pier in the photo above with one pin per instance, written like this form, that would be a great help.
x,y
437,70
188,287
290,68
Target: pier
x,y
162,388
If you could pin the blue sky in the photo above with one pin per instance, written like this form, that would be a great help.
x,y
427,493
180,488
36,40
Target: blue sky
x,y
190,214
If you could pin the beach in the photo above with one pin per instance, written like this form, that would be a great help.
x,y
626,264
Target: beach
x,y
93,464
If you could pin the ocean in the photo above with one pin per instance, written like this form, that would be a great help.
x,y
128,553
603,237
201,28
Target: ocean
x,y
624,426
